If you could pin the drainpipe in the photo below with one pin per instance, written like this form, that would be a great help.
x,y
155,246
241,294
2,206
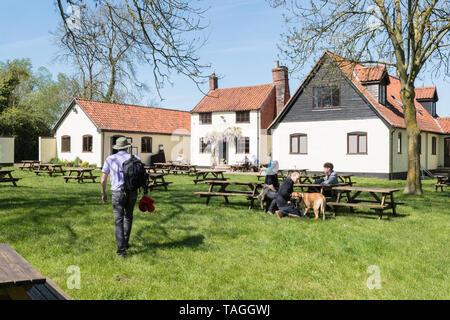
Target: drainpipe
x,y
258,132
391,154
102,156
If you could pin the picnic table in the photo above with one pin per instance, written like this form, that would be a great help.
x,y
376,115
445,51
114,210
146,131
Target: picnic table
x,y
317,187
202,175
283,174
442,181
382,199
30,164
164,167
6,176
223,192
157,180
80,175
50,169
183,168
19,280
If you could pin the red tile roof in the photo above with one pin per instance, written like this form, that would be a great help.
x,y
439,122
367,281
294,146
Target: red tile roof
x,y
235,99
425,92
131,118
445,124
370,73
392,112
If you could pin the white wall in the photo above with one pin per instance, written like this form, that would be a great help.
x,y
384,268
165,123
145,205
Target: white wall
x,y
221,121
77,124
47,149
6,150
327,142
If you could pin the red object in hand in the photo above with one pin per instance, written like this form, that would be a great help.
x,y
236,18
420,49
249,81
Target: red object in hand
x,y
146,204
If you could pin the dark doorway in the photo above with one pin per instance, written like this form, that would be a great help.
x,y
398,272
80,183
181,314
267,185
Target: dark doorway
x,y
447,152
223,152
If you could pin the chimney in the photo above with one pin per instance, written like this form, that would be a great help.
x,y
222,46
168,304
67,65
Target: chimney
x,y
213,82
281,82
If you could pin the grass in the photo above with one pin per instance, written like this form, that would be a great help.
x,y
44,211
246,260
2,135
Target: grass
x,y
187,250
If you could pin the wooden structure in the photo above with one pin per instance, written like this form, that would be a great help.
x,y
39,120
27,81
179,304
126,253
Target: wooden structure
x,y
50,169
442,181
202,175
224,192
157,180
29,164
80,174
382,199
21,281
6,176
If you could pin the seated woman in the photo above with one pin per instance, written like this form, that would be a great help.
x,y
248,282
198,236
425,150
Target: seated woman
x,y
272,184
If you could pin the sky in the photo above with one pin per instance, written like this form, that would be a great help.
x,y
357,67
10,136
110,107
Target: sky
x,y
242,38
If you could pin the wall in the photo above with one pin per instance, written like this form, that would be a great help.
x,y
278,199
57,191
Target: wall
x,y
47,149
327,142
221,121
173,145
6,150
76,124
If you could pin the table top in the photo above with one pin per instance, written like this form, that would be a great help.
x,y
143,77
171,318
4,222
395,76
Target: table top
x,y
80,169
30,161
210,170
156,175
379,190
318,185
243,183
15,270
5,171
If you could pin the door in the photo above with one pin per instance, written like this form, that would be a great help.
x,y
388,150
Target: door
x,y
447,152
223,152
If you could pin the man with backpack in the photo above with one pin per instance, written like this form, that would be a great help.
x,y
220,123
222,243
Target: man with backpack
x,y
127,175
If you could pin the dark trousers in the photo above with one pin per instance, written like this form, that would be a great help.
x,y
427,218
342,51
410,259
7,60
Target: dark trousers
x,y
286,208
123,219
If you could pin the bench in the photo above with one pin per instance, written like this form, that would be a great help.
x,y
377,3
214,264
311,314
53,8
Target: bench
x,y
19,280
5,176
442,181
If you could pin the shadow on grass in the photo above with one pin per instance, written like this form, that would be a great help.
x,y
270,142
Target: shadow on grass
x,y
190,242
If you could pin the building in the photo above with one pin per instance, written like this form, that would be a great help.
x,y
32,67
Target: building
x,y
88,130
250,108
351,115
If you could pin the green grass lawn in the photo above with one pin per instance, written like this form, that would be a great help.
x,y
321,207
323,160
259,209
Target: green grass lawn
x,y
187,250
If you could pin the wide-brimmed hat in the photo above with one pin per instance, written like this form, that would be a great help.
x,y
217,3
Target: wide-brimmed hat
x,y
121,143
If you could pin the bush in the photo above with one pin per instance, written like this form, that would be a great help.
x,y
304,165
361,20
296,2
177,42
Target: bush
x,y
56,160
93,165
84,164
77,162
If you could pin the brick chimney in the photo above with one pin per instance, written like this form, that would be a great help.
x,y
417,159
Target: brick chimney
x,y
281,82
213,82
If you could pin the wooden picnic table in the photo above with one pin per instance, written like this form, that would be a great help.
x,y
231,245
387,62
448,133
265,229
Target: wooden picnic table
x,y
202,175
183,168
81,174
50,169
19,280
223,192
442,181
317,187
30,164
6,176
283,174
382,199
157,180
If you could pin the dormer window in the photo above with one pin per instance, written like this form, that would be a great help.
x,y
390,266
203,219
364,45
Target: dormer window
x,y
326,97
382,94
433,108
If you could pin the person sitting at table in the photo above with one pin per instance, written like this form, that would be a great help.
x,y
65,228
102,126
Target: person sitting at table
x,y
331,177
271,186
284,195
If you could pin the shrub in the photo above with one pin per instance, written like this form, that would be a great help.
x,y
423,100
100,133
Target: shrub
x,y
84,164
77,162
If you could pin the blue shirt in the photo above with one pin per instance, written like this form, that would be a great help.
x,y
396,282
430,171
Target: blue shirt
x,y
332,178
113,166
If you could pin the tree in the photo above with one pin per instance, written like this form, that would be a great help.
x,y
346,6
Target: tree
x,y
408,35
214,138
160,33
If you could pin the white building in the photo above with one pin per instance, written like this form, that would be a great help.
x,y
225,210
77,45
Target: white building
x,y
251,108
352,116
88,130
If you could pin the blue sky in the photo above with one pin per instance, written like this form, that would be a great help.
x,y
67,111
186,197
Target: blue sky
x,y
241,47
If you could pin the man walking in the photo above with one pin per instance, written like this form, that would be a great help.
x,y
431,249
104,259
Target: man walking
x,y
123,203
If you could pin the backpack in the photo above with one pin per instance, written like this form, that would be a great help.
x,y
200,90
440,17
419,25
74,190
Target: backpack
x,y
134,175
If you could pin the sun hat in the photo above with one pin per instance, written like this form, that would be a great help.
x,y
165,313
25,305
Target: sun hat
x,y
146,204
121,143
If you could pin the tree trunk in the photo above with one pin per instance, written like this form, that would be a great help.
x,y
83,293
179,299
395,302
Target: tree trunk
x,y
112,85
413,183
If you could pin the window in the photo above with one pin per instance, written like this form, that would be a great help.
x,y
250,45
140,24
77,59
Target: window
x,y
382,94
205,146
243,145
399,143
325,97
146,145
433,108
419,142
65,144
357,143
87,143
298,143
433,145
242,116
206,118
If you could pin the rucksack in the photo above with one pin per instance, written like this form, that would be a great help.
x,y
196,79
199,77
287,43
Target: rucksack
x,y
134,175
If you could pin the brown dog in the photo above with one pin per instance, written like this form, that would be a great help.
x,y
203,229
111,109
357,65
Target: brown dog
x,y
308,200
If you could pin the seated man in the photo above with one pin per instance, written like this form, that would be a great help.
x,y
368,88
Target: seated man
x,y
331,177
284,195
